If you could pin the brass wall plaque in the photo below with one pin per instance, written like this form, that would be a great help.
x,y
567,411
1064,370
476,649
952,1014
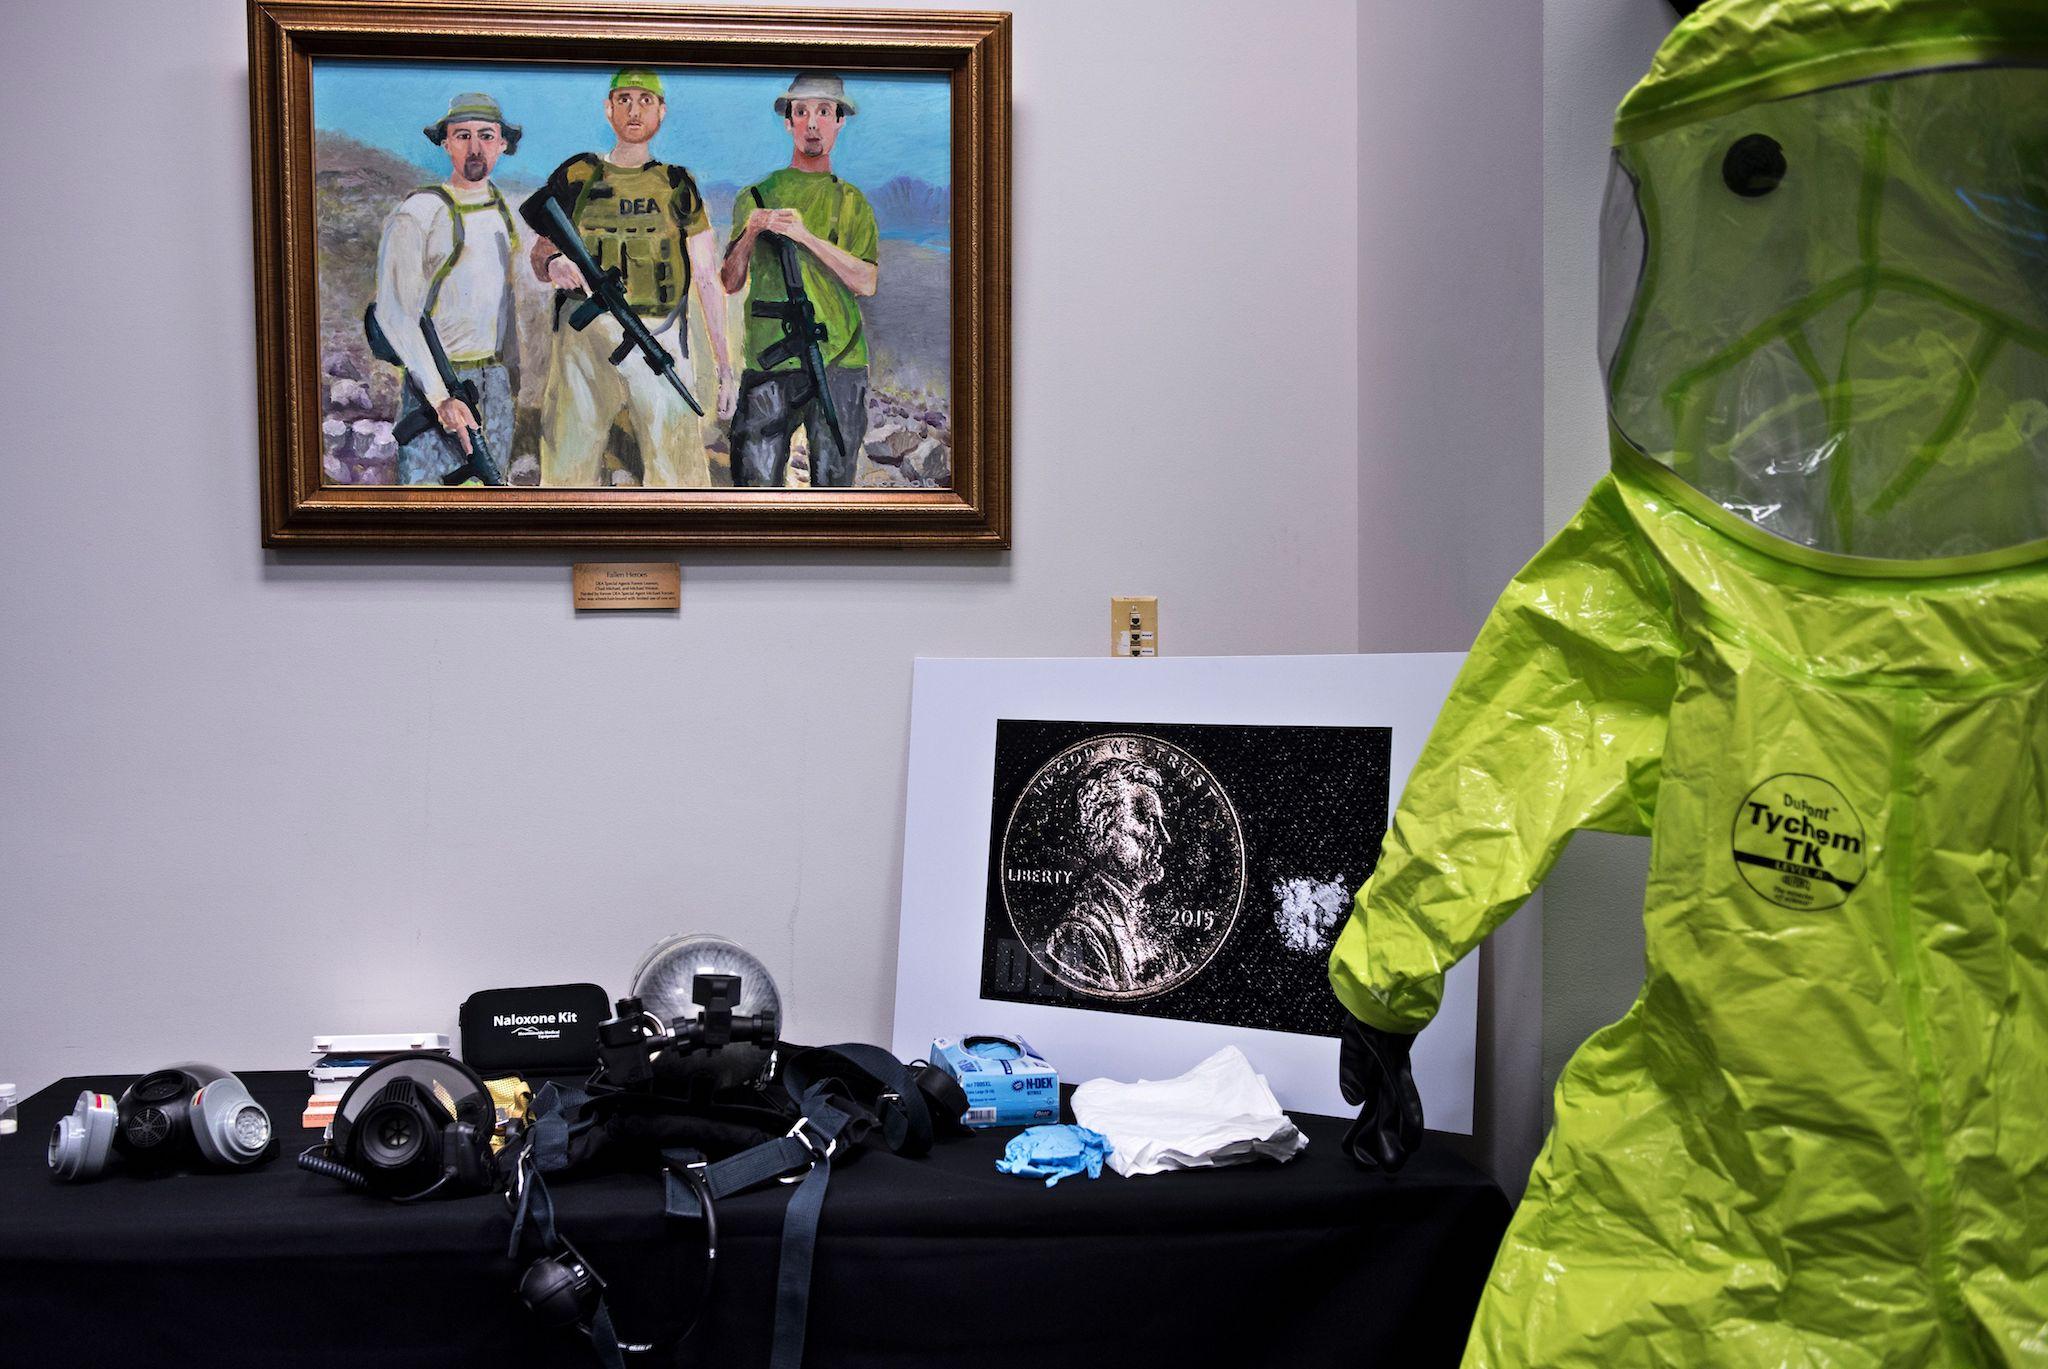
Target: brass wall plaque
x,y
629,584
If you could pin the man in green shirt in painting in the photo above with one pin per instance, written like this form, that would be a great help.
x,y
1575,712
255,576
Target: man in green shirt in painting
x,y
833,228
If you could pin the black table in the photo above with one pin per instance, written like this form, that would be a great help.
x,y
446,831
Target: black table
x,y
919,1261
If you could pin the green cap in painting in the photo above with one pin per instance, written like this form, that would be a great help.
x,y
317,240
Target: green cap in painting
x,y
640,78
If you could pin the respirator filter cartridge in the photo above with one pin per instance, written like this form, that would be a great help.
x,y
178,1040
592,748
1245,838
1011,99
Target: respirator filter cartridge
x,y
80,1143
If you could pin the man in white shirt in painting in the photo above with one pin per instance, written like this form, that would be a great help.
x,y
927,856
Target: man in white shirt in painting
x,y
444,275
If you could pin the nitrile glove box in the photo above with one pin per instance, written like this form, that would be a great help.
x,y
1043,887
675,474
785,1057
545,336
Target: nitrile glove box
x,y
1012,1092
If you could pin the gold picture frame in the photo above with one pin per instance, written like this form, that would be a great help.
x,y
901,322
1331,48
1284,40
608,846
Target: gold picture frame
x,y
302,508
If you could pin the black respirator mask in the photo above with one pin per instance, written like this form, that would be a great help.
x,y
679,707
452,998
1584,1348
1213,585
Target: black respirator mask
x,y
185,1116
412,1125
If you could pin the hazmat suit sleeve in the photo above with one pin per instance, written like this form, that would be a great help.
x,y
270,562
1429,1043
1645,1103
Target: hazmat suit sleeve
x,y
1555,723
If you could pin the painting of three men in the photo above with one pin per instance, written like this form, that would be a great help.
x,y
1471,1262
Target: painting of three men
x,y
632,277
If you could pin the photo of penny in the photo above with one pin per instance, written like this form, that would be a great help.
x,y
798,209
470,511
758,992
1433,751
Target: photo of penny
x,y
1197,872
1123,866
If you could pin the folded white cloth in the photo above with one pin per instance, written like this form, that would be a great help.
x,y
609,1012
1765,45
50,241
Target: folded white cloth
x,y
1219,1113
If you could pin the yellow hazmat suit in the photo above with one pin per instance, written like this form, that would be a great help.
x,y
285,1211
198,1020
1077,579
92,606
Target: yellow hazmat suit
x,y
1800,639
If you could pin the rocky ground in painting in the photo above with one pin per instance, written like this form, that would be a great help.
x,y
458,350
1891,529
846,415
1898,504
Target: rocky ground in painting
x,y
909,441
359,402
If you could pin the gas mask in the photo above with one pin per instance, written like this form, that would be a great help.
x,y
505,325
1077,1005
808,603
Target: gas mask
x,y
186,1115
1829,313
413,1125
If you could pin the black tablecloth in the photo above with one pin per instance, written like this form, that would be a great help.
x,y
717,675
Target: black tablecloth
x,y
941,1261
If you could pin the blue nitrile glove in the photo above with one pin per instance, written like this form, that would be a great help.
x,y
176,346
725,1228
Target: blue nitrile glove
x,y
1055,1152
994,1050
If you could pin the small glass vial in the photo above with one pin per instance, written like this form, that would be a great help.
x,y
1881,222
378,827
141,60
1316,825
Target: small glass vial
x,y
8,1119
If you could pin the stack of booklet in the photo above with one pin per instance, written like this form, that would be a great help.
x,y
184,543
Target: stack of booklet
x,y
338,1060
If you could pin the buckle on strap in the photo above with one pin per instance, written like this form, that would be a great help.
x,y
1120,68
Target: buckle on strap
x,y
892,1110
522,1174
691,1178
807,1132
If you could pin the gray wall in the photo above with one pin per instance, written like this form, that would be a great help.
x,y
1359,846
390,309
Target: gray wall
x,y
247,797
1450,402
1593,51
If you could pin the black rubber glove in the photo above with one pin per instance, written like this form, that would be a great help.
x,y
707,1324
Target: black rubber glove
x,y
1373,1071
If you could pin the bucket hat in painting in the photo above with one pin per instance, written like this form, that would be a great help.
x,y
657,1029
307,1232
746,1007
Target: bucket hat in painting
x,y
815,85
473,106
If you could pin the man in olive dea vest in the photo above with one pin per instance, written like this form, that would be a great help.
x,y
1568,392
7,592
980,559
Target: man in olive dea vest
x,y
647,219
446,256
833,227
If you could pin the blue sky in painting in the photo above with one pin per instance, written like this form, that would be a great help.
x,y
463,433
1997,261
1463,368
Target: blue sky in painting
x,y
720,123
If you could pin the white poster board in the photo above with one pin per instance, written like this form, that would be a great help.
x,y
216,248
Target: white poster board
x,y
955,708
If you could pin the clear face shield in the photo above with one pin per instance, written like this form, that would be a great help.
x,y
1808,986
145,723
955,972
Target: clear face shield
x,y
1829,313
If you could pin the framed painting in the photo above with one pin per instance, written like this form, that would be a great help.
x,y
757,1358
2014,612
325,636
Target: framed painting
x,y
600,274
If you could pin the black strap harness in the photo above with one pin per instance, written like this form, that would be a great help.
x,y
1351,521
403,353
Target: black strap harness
x,y
840,1097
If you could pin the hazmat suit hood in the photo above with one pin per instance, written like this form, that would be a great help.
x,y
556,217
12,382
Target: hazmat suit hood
x,y
1825,274
1798,637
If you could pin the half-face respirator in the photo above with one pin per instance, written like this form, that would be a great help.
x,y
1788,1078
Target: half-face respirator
x,y
185,1115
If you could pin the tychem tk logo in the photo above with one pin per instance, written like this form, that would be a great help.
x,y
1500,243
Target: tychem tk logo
x,y
1799,843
